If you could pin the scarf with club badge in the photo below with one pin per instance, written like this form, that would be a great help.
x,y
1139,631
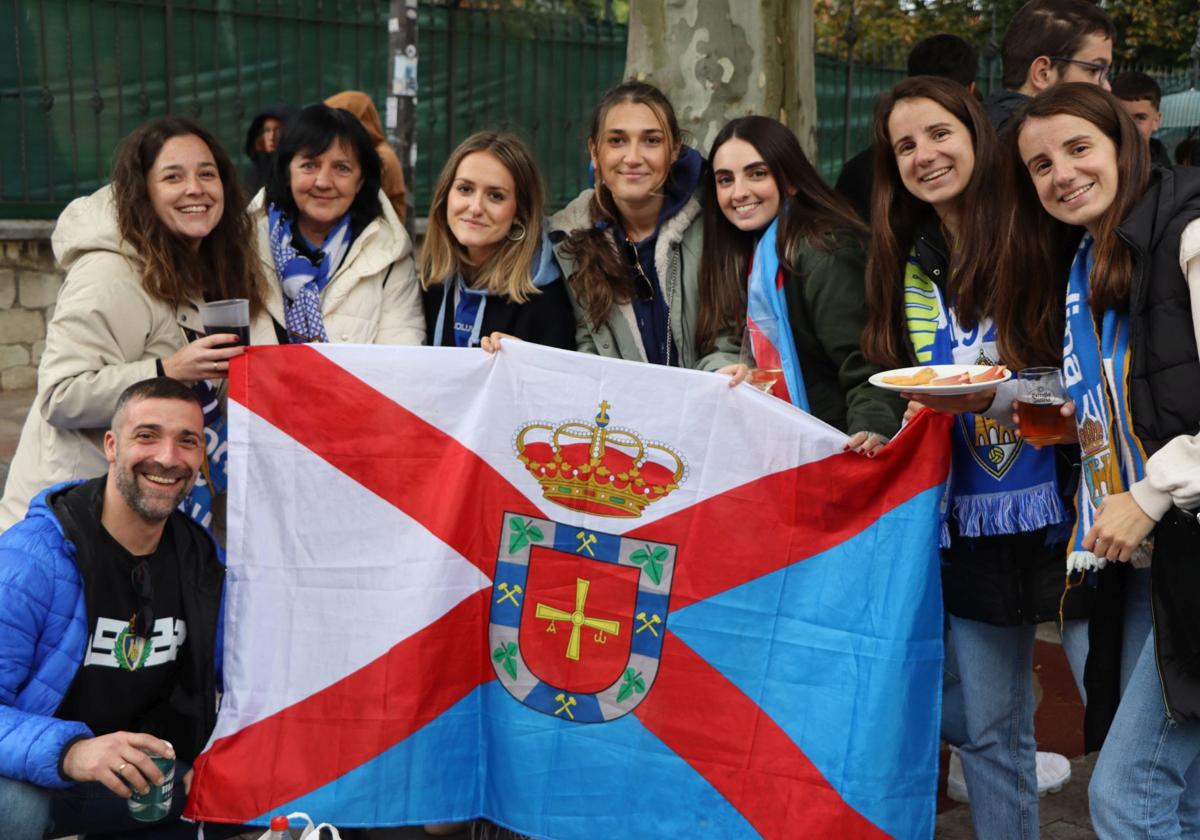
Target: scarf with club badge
x,y
997,484
1096,374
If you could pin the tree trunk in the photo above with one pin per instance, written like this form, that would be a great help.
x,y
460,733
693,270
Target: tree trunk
x,y
720,59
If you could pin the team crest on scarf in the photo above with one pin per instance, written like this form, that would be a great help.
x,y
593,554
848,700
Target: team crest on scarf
x,y
577,618
602,470
994,446
1097,464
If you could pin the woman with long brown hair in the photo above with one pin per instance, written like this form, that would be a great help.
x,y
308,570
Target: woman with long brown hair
x,y
165,235
940,187
1126,329
782,274
630,247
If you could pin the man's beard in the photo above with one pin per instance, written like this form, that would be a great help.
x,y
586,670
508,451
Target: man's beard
x,y
151,510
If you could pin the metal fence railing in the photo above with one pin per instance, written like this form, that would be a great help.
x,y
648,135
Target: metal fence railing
x,y
83,74
537,74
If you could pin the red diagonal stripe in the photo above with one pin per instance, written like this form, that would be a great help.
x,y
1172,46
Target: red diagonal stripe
x,y
316,401
743,753
341,727
780,519
355,428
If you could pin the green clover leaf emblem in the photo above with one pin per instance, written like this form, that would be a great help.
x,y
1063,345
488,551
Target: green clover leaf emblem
x,y
523,533
651,559
506,655
631,682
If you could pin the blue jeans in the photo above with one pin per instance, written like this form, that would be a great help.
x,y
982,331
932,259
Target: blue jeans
x,y
1147,779
29,812
1074,635
998,750
1137,621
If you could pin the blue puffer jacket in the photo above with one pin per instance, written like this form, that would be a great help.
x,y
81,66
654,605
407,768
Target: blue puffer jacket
x,y
43,635
44,628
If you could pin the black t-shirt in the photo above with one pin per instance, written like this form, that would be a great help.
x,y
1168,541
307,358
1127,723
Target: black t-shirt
x,y
122,677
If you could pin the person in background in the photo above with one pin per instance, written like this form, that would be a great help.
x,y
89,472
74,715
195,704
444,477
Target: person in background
x,y
110,607
140,254
392,173
339,260
1049,42
938,55
262,139
782,272
629,248
486,264
1126,330
936,241
1141,97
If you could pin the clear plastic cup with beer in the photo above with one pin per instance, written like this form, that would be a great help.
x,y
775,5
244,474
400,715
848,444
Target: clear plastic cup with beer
x,y
1040,399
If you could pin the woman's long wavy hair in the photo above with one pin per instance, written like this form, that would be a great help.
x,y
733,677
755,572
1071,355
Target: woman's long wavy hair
x,y
1031,311
601,277
974,253
810,210
225,265
509,270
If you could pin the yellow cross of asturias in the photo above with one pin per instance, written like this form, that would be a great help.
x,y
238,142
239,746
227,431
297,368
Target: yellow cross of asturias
x,y
577,618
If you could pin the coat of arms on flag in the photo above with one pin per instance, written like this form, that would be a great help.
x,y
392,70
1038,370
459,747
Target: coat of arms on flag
x,y
691,613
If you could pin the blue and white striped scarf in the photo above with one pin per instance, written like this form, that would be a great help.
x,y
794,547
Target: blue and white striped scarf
x,y
1096,374
301,279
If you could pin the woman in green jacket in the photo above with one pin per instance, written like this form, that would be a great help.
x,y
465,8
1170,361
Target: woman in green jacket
x,y
782,272
630,248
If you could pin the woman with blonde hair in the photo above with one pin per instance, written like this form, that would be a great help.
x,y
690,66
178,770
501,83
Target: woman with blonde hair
x,y
486,264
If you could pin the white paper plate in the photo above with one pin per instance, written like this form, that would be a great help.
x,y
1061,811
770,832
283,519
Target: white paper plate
x,y
940,370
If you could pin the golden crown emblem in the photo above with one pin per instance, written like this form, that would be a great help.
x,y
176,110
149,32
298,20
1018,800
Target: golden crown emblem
x,y
599,469
1091,436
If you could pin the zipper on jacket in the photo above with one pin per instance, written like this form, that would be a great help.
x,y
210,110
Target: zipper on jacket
x,y
1162,685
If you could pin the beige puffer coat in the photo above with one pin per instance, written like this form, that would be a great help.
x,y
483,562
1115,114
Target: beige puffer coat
x,y
374,298
105,335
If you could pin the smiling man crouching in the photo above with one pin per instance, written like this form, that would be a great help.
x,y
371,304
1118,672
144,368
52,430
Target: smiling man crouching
x,y
109,610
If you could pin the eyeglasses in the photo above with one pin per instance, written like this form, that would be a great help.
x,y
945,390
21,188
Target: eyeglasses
x,y
642,287
1100,70
142,621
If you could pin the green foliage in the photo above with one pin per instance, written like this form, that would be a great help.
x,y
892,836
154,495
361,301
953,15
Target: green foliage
x,y
1157,32
1148,31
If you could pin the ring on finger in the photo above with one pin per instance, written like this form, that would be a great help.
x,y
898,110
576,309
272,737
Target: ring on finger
x,y
215,365
120,767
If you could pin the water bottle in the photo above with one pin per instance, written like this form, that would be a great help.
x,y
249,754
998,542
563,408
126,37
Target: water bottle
x,y
279,828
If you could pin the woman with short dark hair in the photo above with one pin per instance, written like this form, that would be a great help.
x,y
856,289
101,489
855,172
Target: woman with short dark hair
x,y
340,261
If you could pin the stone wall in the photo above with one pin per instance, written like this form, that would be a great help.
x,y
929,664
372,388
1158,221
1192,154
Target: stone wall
x,y
29,283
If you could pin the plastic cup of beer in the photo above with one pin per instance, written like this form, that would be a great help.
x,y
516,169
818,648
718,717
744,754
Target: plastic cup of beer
x,y
1039,404
155,804
764,379
227,316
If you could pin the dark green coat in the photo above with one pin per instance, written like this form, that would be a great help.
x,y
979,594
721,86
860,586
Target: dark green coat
x,y
827,310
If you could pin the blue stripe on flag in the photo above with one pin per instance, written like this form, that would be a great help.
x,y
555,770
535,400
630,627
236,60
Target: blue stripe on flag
x,y
554,779
821,646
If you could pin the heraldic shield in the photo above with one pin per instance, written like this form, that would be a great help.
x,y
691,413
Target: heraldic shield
x,y
577,618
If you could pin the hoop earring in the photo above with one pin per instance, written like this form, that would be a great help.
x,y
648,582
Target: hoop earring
x,y
519,236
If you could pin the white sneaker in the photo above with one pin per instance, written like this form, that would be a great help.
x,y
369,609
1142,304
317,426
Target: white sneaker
x,y
1053,771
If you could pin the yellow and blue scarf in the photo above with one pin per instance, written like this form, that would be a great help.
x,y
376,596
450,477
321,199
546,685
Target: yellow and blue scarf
x,y
997,484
